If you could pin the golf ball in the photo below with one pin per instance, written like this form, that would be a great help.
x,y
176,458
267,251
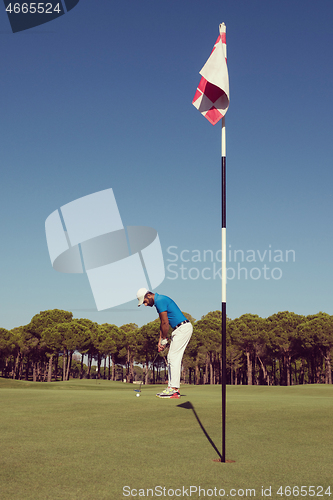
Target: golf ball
x,y
138,395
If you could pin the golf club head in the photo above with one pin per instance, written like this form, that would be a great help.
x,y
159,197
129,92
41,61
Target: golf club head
x,y
138,390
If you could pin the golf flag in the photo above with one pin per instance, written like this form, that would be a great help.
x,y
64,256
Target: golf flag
x,y
212,100
212,95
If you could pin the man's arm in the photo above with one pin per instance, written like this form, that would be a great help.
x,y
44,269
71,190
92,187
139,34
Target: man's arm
x,y
164,329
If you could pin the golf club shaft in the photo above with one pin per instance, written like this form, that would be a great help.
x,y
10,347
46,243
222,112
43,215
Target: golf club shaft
x,y
155,358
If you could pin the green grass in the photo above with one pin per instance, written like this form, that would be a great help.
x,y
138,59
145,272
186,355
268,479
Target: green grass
x,y
87,440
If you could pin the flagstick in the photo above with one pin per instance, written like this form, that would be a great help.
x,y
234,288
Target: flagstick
x,y
224,283
215,72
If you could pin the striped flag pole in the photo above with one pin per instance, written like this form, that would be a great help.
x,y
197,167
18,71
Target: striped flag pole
x,y
224,283
222,28
212,100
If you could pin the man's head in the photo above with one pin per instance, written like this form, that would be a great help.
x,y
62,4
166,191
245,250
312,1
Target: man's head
x,y
145,297
149,299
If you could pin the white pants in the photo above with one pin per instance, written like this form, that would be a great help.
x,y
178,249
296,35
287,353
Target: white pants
x,y
179,340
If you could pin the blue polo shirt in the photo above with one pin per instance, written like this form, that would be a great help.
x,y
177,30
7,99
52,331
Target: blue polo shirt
x,y
164,303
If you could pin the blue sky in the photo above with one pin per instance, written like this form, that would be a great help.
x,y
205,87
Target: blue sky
x,y
102,98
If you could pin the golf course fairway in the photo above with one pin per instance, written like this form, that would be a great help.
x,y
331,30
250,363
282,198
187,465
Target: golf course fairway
x,y
88,439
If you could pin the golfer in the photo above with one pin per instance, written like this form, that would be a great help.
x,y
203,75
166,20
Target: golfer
x,y
170,315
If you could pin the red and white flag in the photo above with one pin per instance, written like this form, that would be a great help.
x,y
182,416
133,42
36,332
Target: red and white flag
x,y
212,95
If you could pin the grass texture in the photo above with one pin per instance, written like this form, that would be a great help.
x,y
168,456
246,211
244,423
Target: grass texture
x,y
89,440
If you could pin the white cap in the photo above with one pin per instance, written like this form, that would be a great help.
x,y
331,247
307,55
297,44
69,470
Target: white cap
x,y
141,295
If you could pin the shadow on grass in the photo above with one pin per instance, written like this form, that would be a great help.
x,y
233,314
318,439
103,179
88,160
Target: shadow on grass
x,y
188,406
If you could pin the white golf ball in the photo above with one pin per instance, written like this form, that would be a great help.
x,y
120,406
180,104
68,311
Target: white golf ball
x,y
138,395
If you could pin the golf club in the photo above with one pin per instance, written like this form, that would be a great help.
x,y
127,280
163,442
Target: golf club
x,y
138,391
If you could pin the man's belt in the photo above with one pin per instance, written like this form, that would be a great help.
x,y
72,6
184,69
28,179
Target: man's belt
x,y
180,324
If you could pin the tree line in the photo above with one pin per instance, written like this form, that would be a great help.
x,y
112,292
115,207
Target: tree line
x,y
283,349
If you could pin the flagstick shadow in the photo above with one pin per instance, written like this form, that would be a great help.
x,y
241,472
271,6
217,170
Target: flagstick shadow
x,y
188,405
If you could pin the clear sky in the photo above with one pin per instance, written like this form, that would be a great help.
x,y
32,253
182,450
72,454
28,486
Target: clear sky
x,y
102,98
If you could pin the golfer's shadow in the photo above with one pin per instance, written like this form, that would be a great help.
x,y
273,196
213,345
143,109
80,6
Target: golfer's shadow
x,y
189,406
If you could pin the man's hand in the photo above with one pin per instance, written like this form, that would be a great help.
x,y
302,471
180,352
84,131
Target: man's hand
x,y
162,344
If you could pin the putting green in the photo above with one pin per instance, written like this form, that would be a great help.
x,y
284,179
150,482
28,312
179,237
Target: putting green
x,y
97,440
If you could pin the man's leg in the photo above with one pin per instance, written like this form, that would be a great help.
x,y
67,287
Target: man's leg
x,y
179,341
